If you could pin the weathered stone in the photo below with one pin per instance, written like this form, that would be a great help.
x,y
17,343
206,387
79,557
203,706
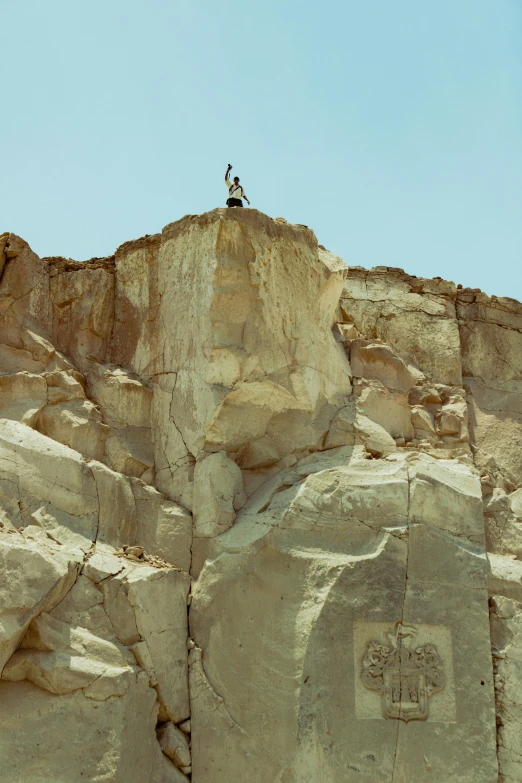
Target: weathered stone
x,y
311,557
207,369
83,305
174,744
117,515
51,484
218,493
159,600
74,737
412,315
163,527
506,638
64,386
63,658
22,397
123,399
389,409
378,362
77,424
35,577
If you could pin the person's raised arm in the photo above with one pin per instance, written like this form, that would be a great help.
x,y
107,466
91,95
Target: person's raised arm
x,y
227,180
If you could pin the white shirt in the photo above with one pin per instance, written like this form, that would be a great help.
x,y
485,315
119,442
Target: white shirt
x,y
234,191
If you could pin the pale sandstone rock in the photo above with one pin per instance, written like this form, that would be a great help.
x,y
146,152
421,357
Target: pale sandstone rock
x,y
376,439
495,419
343,430
174,744
123,399
378,362
24,300
250,353
119,609
83,607
169,773
126,407
137,293
218,493
307,558
416,317
506,637
219,371
491,338
62,658
163,527
448,423
389,409
35,577
117,514
22,397
130,452
52,485
515,503
503,518
505,577
423,422
63,386
15,360
447,495
159,600
82,309
74,738
260,453
77,424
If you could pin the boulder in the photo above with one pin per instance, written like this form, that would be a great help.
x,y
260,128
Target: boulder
x,y
36,575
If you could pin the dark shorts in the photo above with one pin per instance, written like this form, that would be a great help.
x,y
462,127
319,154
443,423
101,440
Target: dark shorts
x,y
234,202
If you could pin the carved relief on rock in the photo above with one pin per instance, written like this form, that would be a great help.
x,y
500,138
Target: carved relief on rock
x,y
406,676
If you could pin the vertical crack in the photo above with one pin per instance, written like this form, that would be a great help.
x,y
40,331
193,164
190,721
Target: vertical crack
x,y
408,523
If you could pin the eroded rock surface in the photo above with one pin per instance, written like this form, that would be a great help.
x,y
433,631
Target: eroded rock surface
x,y
253,503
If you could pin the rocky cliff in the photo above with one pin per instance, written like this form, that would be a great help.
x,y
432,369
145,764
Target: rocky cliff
x,y
260,516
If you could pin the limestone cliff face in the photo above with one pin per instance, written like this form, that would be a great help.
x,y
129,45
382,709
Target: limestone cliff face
x,y
253,504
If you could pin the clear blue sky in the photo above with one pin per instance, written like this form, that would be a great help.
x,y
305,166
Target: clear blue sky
x,y
393,128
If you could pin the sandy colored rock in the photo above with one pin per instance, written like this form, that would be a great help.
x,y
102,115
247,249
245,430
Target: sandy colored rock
x,y
76,424
187,407
82,313
389,409
164,528
174,744
159,600
117,517
50,485
307,556
495,419
414,316
249,355
35,577
218,493
63,386
124,400
113,739
376,361
22,397
506,638
62,658
505,577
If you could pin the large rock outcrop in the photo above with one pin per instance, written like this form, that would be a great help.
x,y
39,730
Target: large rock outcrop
x,y
260,516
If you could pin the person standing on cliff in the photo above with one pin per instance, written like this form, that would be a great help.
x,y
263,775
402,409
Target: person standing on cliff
x,y
236,194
